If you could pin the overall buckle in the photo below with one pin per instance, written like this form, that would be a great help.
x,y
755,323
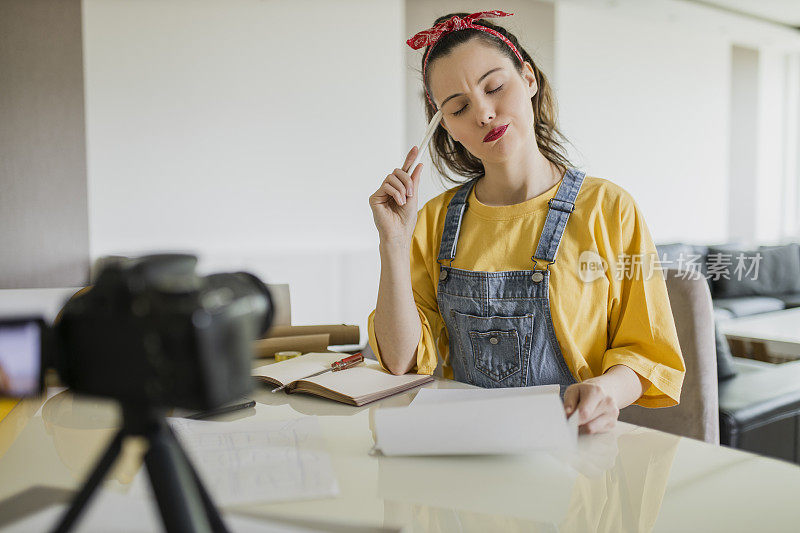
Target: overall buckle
x,y
538,274
562,205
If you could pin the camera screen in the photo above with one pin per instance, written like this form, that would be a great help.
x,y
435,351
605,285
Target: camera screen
x,y
20,358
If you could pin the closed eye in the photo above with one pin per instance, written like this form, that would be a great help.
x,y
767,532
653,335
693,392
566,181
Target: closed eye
x,y
465,106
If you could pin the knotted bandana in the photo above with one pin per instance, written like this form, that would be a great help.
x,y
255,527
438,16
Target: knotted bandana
x,y
431,36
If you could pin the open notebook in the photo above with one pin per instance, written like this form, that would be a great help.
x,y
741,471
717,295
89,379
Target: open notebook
x,y
361,384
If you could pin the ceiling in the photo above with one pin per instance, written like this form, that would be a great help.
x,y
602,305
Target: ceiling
x,y
786,12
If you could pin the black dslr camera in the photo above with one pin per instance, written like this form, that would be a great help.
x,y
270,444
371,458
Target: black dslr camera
x,y
152,331
149,332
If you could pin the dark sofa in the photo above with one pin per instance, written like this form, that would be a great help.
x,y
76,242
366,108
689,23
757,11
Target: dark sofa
x,y
777,279
759,403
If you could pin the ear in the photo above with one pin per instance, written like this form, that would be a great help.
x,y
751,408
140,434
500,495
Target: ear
x,y
530,79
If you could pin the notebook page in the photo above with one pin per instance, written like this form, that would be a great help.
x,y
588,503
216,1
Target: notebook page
x,y
298,367
363,380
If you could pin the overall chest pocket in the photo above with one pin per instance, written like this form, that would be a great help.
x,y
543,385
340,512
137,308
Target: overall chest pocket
x,y
497,348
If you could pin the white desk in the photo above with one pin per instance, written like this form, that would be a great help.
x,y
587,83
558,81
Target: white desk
x,y
632,480
776,333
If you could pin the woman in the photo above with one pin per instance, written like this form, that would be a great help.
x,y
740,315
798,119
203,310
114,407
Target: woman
x,y
495,278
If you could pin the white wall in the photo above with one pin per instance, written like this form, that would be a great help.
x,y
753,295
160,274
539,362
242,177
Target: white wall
x,y
777,203
791,201
645,101
769,194
743,148
251,132
644,91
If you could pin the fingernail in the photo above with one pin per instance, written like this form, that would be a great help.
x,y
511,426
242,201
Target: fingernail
x,y
410,193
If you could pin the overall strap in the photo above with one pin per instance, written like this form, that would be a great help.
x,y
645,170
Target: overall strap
x,y
561,205
452,222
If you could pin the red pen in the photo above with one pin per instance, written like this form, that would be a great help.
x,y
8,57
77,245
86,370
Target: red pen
x,y
341,364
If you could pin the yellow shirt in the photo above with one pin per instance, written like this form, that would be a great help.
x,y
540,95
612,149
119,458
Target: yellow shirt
x,y
621,317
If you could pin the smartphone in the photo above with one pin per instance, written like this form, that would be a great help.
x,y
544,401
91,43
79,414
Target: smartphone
x,y
21,356
236,405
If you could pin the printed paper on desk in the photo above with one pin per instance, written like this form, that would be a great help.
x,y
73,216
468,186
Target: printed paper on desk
x,y
491,425
246,461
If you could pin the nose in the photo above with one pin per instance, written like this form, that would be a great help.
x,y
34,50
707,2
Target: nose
x,y
485,112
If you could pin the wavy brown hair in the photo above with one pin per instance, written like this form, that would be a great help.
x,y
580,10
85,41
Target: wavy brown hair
x,y
446,152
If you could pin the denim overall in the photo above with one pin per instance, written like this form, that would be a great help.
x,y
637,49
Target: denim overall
x,y
499,323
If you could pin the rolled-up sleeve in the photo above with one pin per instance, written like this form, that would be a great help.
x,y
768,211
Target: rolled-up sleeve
x,y
641,329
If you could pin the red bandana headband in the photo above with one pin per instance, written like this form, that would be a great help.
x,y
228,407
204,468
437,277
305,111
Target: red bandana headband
x,y
431,37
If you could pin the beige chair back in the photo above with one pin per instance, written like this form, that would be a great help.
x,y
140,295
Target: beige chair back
x,y
697,415
281,301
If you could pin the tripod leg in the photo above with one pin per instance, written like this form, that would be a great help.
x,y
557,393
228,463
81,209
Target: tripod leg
x,y
217,525
174,485
97,475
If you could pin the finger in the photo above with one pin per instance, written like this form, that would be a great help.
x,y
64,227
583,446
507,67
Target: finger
x,y
404,178
571,397
410,157
415,177
606,409
394,193
398,184
608,405
379,197
602,424
588,404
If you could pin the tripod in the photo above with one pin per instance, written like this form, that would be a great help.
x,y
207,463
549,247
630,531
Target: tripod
x,y
183,502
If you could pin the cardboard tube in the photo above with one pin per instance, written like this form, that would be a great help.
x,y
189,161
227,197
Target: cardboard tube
x,y
301,343
339,333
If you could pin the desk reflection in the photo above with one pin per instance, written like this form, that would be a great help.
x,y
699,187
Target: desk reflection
x,y
82,427
612,482
628,495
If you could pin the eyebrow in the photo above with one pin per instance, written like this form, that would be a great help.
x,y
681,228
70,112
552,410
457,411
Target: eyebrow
x,y
479,80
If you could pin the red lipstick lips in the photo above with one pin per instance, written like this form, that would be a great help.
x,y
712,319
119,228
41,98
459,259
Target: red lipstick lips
x,y
495,134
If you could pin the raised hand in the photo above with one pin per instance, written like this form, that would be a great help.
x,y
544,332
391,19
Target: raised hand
x,y
394,204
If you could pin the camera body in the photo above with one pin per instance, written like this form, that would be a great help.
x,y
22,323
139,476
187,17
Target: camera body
x,y
151,332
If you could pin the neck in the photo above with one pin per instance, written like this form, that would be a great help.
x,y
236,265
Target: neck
x,y
517,179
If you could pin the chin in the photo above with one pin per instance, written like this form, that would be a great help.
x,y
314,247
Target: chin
x,y
502,149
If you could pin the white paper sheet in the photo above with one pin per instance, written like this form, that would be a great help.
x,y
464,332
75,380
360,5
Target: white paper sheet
x,y
431,396
486,423
246,461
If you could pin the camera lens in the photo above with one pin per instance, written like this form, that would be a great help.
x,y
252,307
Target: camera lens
x,y
243,284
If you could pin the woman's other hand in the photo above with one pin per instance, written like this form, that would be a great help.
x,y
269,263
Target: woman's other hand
x,y
394,204
596,410
597,401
